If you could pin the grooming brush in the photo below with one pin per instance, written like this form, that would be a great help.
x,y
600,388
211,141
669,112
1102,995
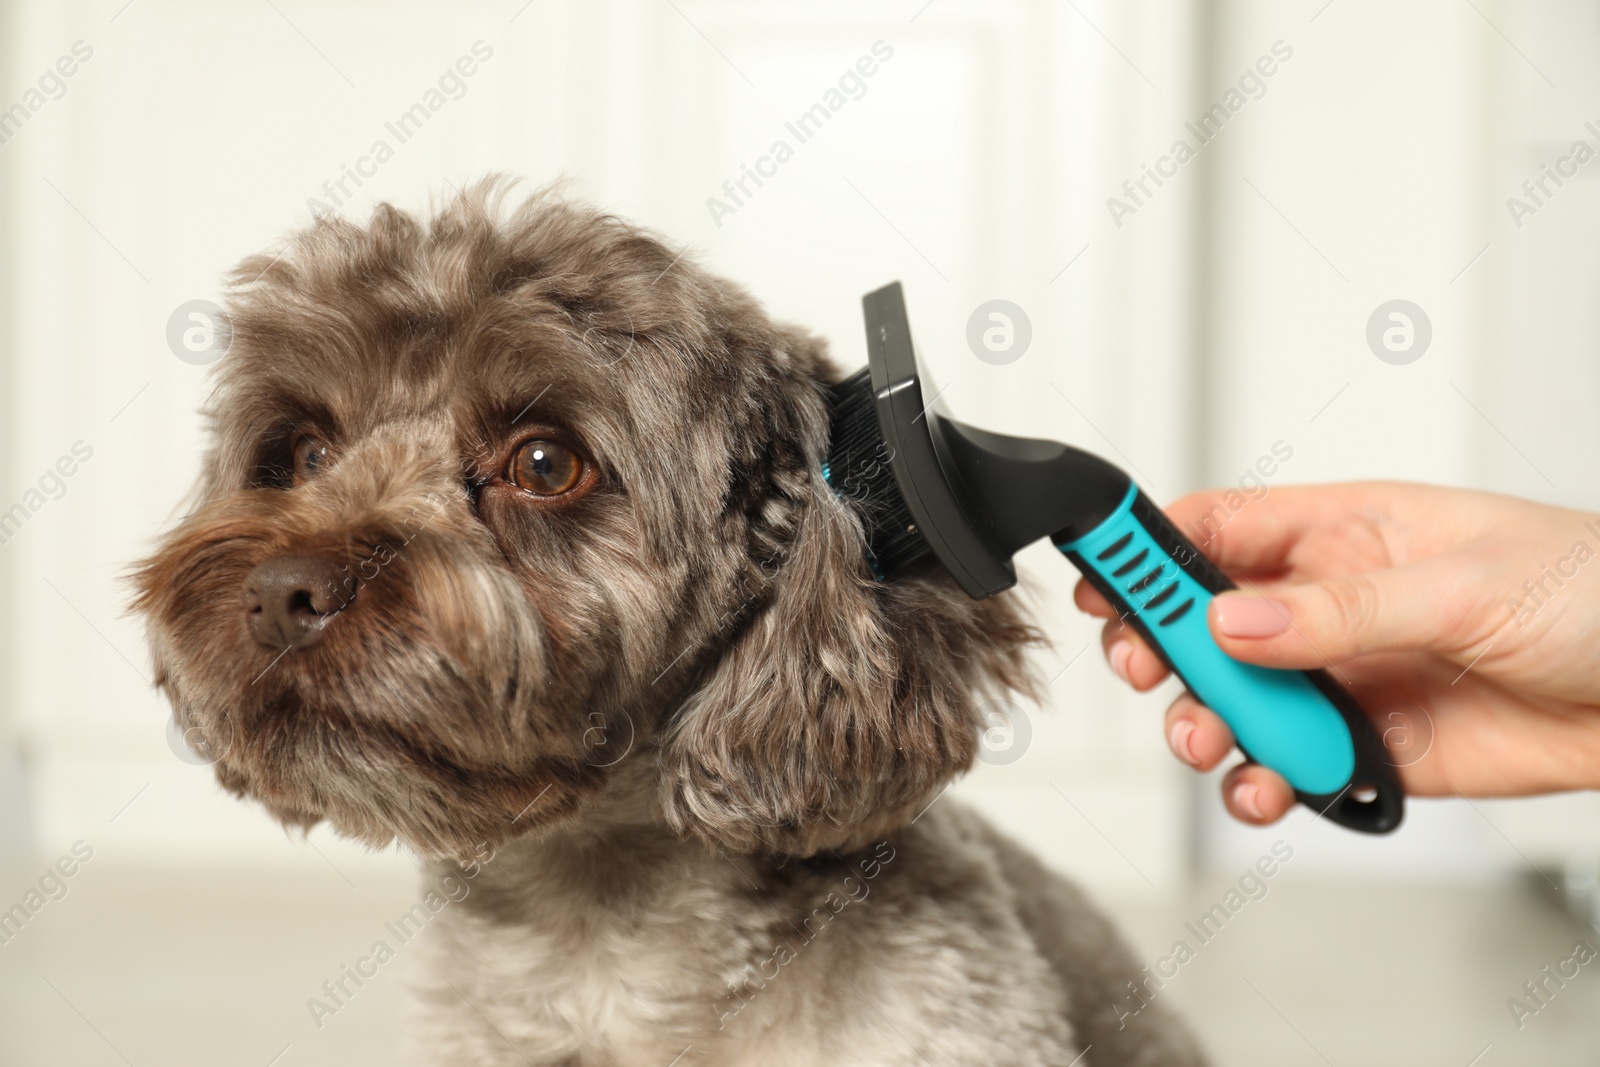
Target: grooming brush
x,y
924,483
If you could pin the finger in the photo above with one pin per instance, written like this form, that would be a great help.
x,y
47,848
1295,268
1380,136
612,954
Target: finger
x,y
1090,601
1196,734
1255,795
1422,606
1254,531
1130,657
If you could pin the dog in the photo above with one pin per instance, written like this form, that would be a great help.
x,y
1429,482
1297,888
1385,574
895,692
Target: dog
x,y
512,546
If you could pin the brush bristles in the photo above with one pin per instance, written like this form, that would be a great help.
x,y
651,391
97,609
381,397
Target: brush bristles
x,y
859,472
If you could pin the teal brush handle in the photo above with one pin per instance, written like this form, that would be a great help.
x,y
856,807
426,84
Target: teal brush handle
x,y
1301,724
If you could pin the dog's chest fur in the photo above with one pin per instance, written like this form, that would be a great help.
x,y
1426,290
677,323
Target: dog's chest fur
x,y
572,976
633,949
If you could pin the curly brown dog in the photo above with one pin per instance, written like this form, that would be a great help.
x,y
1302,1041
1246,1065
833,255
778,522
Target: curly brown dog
x,y
512,543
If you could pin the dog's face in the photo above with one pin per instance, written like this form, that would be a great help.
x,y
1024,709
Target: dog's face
x,y
495,505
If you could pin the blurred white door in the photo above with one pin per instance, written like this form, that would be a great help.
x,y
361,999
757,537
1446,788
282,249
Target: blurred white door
x,y
1378,168
965,148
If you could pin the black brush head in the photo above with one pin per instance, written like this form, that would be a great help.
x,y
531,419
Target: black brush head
x,y
924,483
858,469
885,459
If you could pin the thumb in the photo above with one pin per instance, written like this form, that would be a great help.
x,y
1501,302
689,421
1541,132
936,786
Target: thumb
x,y
1331,621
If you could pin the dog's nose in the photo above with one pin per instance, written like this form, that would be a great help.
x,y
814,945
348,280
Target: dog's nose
x,y
289,600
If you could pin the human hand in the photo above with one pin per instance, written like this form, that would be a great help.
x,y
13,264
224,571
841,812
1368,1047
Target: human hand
x,y
1465,623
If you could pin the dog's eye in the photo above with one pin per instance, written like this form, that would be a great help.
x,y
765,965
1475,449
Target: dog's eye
x,y
545,468
310,456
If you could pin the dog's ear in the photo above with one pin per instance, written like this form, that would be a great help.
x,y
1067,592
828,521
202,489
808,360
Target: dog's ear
x,y
844,705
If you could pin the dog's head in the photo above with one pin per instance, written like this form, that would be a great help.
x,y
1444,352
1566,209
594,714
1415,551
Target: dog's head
x,y
502,501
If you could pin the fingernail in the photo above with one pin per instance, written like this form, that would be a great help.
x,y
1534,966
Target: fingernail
x,y
1248,615
1178,737
1247,798
1119,659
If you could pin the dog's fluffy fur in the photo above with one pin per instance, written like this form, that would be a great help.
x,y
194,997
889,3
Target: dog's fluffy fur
x,y
692,732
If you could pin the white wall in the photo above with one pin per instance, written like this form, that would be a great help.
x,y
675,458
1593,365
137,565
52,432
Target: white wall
x,y
977,165
972,168
1390,143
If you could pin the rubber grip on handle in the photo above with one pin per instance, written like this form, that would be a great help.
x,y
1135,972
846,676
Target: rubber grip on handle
x,y
1301,724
